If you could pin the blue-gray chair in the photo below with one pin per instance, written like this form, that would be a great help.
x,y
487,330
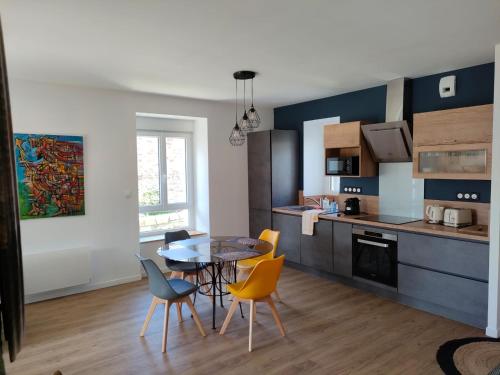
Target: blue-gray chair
x,y
167,292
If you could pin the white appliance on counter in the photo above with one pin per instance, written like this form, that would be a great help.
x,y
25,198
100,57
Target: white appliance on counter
x,y
435,214
457,217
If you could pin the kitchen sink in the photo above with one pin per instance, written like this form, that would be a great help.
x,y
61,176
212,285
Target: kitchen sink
x,y
301,208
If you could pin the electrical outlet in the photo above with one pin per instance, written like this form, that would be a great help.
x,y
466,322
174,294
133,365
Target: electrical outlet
x,y
467,196
352,190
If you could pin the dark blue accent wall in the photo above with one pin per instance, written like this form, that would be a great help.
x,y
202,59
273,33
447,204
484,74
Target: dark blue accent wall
x,y
368,185
366,104
475,86
447,190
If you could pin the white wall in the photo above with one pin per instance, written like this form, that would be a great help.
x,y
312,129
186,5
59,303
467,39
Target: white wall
x,y
107,120
315,181
493,328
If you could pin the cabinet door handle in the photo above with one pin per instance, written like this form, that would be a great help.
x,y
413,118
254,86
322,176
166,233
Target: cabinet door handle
x,y
378,244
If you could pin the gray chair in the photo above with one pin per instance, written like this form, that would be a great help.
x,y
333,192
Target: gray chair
x,y
181,267
167,292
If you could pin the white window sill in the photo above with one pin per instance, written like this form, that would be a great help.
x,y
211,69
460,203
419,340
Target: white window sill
x,y
161,237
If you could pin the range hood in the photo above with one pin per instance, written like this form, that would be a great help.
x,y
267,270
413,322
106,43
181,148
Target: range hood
x,y
391,141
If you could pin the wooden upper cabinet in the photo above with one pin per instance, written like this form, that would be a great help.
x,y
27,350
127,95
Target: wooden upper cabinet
x,y
454,126
347,134
453,144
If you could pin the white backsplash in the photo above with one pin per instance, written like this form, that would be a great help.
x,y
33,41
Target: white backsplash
x,y
399,193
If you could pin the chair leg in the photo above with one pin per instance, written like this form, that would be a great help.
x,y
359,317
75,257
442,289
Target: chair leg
x,y
276,315
254,316
252,309
179,311
176,275
230,313
151,311
277,295
165,326
195,316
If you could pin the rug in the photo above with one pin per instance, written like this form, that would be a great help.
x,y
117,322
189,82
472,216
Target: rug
x,y
470,356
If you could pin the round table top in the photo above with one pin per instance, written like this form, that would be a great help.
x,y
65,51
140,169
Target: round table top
x,y
214,249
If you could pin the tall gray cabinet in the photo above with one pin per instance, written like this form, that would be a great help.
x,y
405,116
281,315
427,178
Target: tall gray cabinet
x,y
272,175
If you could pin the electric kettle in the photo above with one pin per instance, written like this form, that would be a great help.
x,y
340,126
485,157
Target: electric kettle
x,y
435,214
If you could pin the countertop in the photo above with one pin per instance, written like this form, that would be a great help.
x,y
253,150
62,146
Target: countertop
x,y
414,227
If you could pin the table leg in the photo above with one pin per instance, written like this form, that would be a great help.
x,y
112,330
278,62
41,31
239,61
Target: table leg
x,y
236,280
197,283
214,287
220,283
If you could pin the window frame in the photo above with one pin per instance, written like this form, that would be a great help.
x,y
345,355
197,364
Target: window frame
x,y
162,157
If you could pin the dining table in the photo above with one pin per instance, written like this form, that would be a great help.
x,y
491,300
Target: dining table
x,y
218,257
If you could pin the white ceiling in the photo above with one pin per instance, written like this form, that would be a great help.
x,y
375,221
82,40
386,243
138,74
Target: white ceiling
x,y
301,49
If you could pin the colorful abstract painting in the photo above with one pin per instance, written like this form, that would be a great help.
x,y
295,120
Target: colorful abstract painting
x,y
49,175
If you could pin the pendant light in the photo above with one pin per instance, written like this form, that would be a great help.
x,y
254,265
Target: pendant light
x,y
250,119
237,136
253,115
244,122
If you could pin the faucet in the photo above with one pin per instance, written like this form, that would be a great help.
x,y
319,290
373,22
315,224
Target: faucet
x,y
314,200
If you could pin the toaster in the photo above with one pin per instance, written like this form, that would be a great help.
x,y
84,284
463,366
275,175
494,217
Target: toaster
x,y
457,217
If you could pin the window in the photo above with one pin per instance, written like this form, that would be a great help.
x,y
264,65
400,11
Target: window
x,y
164,178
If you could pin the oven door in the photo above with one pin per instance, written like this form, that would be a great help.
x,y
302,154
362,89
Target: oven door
x,y
375,258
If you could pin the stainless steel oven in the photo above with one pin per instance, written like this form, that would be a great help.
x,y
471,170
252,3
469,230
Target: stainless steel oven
x,y
375,256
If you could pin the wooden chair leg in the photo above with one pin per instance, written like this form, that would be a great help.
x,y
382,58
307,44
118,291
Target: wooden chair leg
x,y
165,326
176,275
179,311
254,316
195,316
151,311
277,295
252,309
230,313
276,315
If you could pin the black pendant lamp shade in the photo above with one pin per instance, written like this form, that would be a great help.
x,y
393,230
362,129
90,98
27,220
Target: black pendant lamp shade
x,y
250,119
253,115
237,136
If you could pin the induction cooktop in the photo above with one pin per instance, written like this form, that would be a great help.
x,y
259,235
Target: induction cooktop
x,y
388,219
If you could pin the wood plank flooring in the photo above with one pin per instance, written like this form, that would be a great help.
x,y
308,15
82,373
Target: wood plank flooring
x,y
331,329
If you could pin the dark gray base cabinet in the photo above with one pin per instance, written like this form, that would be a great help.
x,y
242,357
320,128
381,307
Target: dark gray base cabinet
x,y
290,232
316,251
342,249
468,259
467,296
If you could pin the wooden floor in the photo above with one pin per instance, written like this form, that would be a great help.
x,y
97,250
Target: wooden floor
x,y
331,329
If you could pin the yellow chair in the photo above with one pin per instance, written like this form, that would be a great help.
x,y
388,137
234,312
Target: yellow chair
x,y
257,288
246,266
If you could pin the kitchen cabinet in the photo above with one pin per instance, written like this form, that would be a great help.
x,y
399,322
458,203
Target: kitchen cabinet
x,y
342,249
453,144
345,140
316,250
272,175
461,258
460,294
290,232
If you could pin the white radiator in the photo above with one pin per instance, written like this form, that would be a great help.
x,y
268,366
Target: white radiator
x,y
45,271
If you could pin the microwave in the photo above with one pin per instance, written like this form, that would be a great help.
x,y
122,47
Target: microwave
x,y
342,166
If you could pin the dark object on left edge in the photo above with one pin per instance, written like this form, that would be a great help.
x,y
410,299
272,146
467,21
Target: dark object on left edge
x,y
11,269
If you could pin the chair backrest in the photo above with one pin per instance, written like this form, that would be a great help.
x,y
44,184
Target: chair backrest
x,y
177,235
263,279
158,283
273,237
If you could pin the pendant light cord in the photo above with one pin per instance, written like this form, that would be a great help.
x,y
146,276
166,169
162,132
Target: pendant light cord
x,y
252,92
236,101
244,94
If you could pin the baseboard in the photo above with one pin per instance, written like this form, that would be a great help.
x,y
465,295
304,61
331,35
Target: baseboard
x,y
492,332
31,298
